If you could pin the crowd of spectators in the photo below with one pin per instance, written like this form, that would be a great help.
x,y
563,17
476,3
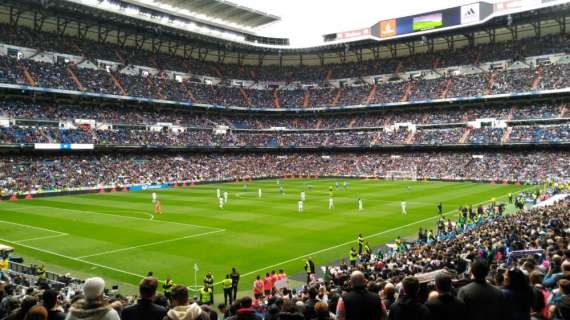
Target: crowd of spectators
x,y
104,124
438,136
485,136
134,114
140,136
22,173
509,50
160,86
531,134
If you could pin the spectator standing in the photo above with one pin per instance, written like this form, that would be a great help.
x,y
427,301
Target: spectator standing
x,y
359,303
145,308
408,307
445,306
55,312
93,306
37,312
482,300
388,295
20,313
518,294
182,310
562,309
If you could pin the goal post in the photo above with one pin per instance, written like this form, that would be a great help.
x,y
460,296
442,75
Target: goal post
x,y
402,175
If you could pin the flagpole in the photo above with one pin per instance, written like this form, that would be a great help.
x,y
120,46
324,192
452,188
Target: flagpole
x,y
196,276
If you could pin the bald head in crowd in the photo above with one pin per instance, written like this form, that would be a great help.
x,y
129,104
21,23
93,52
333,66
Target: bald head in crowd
x,y
357,279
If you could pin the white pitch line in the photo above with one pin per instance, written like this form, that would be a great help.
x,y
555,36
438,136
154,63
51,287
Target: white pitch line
x,y
32,227
352,241
120,216
43,238
150,244
75,259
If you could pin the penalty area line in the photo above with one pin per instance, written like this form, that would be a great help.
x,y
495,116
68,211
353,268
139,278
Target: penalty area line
x,y
139,276
44,238
32,227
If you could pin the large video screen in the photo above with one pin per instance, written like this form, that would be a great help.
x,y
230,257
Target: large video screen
x,y
429,21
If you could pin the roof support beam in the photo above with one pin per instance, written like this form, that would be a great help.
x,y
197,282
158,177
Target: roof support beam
x,y
38,21
376,53
15,16
102,34
450,43
358,54
61,26
187,51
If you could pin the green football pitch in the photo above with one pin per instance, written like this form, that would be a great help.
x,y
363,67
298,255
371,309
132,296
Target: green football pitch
x,y
116,235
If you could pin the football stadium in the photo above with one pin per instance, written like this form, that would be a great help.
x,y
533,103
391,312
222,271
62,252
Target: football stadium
x,y
272,160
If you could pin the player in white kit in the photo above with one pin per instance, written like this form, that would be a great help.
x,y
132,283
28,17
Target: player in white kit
x,y
259,192
225,197
302,195
218,193
221,202
331,203
360,204
300,206
154,197
403,207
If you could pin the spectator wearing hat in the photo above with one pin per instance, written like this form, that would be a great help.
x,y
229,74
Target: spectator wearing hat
x,y
93,305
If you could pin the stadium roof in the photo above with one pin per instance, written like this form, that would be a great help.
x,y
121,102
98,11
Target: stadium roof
x,y
221,10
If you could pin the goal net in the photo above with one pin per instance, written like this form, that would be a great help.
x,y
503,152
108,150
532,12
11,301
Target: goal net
x,y
402,175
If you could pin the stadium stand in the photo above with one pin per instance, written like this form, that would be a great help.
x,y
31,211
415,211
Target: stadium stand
x,y
485,111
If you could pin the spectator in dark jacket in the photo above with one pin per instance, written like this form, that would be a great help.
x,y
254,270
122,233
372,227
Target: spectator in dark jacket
x,y
359,303
518,294
145,308
55,312
445,306
20,313
482,300
407,307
